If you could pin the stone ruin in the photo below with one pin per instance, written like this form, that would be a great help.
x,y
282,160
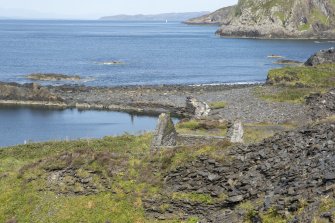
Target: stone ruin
x,y
165,134
236,132
197,108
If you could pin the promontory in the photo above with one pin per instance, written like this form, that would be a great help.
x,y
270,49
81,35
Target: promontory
x,y
296,19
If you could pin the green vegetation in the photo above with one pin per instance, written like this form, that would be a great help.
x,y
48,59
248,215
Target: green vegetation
x,y
293,84
286,94
256,132
304,27
321,76
91,180
198,198
29,196
203,127
218,105
272,216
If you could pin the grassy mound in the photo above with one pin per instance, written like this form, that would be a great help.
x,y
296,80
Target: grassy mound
x,y
293,84
321,76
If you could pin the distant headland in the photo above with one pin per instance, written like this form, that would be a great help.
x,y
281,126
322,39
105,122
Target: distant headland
x,y
156,17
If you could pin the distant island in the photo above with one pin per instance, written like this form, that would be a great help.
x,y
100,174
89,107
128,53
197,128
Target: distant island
x,y
267,19
156,17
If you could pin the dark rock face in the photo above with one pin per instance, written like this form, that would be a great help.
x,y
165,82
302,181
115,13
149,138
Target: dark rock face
x,y
284,172
165,134
321,105
322,57
33,92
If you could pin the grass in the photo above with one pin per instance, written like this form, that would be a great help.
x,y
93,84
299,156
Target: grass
x,y
286,94
191,125
122,169
321,76
256,132
293,84
202,127
125,163
218,105
26,199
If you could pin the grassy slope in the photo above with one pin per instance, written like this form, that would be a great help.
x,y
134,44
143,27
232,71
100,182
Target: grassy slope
x,y
27,202
26,195
26,170
293,84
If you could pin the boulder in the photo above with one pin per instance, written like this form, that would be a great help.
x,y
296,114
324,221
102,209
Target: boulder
x,y
197,108
322,57
165,134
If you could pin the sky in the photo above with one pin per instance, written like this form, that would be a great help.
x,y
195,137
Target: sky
x,y
91,9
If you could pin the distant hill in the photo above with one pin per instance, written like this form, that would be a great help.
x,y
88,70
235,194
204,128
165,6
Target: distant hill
x,y
157,17
302,19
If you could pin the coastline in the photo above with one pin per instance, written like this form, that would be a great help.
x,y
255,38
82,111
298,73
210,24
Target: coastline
x,y
241,100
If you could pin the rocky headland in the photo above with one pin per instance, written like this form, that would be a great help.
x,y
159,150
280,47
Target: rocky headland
x,y
298,19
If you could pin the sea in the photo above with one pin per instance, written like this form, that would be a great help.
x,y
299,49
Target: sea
x,y
150,53
110,53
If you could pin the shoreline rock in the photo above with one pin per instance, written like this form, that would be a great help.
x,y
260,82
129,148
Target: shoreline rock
x,y
53,77
322,57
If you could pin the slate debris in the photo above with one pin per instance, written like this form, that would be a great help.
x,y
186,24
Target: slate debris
x,y
282,172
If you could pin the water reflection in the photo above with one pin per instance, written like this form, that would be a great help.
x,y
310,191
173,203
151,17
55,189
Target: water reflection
x,y
20,124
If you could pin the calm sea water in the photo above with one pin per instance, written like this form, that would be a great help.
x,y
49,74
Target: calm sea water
x,y
153,52
19,124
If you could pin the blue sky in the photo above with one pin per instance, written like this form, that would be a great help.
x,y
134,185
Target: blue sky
x,y
98,8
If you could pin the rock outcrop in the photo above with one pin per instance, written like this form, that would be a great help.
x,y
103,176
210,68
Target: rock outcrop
x,y
221,16
165,134
53,77
322,57
290,173
321,105
276,19
27,92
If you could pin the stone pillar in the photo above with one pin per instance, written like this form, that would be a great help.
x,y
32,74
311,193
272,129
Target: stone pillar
x,y
165,134
197,108
236,132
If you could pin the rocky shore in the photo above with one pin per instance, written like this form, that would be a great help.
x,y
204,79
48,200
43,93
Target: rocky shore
x,y
241,100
